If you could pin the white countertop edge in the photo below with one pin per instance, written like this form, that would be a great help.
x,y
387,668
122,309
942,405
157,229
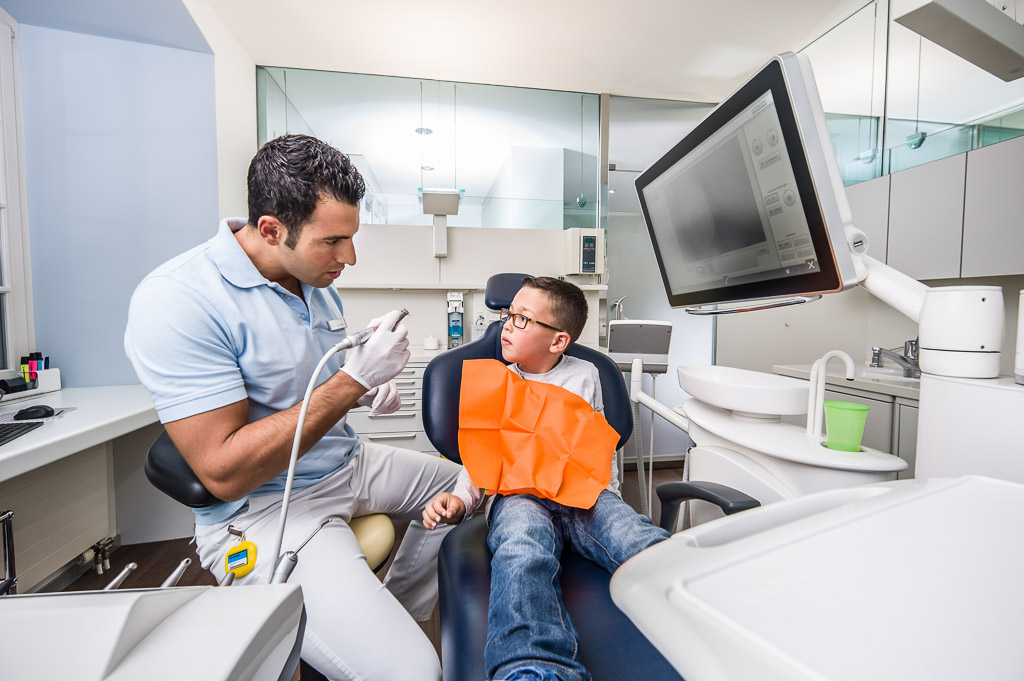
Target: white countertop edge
x,y
102,414
873,385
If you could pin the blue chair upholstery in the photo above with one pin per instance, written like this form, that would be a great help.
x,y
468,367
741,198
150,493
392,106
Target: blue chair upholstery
x,y
611,647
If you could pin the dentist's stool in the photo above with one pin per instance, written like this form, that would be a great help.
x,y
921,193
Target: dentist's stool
x,y
167,469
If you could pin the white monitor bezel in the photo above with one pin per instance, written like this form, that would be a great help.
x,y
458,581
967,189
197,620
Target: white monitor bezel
x,y
789,79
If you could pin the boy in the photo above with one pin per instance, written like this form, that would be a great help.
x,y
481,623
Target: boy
x,y
529,633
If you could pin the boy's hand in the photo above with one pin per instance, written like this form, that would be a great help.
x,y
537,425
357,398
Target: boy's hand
x,y
445,508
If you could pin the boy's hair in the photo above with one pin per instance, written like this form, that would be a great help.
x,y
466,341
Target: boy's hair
x,y
567,302
289,176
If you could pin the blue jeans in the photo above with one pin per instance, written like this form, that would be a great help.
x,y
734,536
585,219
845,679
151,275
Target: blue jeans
x,y
528,626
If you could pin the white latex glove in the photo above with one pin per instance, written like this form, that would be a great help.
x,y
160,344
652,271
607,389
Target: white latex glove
x,y
379,359
382,399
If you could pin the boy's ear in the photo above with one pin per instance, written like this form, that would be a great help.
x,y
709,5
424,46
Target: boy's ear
x,y
560,342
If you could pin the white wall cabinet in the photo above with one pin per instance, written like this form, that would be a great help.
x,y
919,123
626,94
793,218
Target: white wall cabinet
x,y
926,219
869,204
993,240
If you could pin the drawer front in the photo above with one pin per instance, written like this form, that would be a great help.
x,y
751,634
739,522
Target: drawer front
x,y
408,404
408,383
410,371
402,420
414,440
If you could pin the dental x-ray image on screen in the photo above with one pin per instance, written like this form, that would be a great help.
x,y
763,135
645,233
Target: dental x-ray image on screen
x,y
711,211
732,209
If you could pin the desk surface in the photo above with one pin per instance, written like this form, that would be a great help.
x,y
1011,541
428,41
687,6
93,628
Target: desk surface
x,y
101,414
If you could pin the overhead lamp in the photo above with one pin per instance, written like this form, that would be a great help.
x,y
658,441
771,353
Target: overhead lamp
x,y
440,203
424,131
973,30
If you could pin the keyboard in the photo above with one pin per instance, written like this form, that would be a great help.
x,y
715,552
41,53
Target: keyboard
x,y
11,431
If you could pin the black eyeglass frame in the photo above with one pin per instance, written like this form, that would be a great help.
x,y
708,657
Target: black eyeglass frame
x,y
506,313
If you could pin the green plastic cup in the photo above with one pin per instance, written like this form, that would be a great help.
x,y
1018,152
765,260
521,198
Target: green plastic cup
x,y
844,423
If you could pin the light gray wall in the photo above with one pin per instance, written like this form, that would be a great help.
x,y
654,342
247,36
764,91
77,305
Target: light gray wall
x,y
120,147
634,273
641,131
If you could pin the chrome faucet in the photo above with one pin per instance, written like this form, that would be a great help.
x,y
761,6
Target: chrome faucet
x,y
907,361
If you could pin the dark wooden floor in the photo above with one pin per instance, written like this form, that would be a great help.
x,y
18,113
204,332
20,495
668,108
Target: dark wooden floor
x,y
157,560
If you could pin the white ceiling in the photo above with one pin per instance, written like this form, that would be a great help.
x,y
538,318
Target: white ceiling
x,y
668,49
664,49
674,49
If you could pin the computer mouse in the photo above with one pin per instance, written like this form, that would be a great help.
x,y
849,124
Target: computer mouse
x,y
36,411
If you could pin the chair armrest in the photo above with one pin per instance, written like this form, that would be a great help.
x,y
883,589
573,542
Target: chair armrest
x,y
672,494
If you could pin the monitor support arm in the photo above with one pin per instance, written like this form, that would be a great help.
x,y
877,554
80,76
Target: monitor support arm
x,y
960,327
892,287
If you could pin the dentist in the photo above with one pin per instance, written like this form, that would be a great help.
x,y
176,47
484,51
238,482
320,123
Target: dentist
x,y
225,338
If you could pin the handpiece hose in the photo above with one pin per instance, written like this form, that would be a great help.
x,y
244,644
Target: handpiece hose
x,y
284,569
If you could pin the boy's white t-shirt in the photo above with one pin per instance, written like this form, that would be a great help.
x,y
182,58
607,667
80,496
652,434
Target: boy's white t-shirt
x,y
575,375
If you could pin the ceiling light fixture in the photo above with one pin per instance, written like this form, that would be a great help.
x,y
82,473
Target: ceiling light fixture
x,y
428,168
975,30
424,131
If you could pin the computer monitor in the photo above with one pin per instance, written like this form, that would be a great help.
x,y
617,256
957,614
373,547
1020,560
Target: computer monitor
x,y
749,205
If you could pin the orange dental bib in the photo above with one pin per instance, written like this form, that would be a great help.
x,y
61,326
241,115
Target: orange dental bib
x,y
526,437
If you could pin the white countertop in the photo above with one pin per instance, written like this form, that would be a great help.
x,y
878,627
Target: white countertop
x,y
100,414
836,376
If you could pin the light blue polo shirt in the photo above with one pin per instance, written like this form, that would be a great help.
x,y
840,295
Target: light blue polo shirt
x,y
206,330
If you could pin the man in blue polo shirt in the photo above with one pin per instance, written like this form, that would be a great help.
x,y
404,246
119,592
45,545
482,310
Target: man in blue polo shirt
x,y
225,337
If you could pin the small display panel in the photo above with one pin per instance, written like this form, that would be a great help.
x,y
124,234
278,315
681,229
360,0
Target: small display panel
x,y
732,210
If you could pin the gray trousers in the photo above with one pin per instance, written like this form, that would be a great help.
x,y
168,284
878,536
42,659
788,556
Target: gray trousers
x,y
357,628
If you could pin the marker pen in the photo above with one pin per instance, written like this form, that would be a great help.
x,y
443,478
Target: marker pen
x,y
24,367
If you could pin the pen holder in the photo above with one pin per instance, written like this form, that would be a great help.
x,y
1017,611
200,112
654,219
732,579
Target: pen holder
x,y
844,424
47,381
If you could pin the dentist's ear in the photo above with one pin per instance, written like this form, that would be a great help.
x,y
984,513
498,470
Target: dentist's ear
x,y
271,230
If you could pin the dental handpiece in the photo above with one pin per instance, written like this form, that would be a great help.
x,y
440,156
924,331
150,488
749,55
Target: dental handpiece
x,y
364,335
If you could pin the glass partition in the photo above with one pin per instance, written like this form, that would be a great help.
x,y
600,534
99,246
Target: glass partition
x,y
895,100
525,158
849,68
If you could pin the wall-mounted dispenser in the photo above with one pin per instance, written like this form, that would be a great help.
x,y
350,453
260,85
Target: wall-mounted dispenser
x,y
455,311
584,251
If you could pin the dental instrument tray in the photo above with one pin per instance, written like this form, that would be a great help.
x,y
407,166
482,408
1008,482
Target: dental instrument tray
x,y
914,579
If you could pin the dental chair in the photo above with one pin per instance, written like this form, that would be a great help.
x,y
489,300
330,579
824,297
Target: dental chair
x,y
611,647
168,471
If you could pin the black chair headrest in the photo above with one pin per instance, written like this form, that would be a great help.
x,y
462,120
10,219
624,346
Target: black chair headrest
x,y
502,288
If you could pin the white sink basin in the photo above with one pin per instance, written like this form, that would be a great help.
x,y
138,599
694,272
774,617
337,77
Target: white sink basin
x,y
891,374
745,391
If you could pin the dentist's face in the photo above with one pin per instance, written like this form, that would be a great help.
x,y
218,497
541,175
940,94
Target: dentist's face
x,y
325,244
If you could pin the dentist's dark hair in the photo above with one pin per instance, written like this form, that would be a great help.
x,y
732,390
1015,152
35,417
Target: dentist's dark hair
x,y
289,175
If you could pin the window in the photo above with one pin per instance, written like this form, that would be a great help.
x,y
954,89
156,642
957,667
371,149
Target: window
x,y
17,335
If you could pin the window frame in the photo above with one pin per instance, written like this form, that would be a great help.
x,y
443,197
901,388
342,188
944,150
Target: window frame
x,y
16,282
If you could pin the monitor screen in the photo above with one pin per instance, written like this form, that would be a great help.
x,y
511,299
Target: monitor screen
x,y
733,209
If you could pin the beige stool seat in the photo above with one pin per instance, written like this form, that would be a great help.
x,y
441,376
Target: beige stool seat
x,y
376,536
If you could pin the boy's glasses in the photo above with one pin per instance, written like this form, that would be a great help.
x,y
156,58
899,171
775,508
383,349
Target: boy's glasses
x,y
521,321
